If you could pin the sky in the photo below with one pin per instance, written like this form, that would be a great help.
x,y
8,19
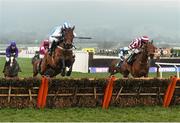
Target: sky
x,y
103,20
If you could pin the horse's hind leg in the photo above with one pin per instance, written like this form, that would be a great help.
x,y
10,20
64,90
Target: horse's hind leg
x,y
125,74
35,71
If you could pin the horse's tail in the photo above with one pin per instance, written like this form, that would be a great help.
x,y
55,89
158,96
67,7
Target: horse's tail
x,y
110,69
112,66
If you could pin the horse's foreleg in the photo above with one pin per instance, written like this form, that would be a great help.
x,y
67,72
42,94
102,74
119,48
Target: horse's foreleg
x,y
146,75
35,72
43,67
63,68
113,72
125,74
70,68
69,71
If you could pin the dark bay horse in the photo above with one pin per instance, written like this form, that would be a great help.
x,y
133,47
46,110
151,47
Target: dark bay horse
x,y
140,66
12,68
61,58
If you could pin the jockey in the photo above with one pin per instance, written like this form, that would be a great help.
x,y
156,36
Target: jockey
x,y
44,48
37,55
11,50
136,45
123,52
57,36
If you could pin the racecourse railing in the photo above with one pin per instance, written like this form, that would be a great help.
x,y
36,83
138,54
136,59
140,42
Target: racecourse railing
x,y
160,64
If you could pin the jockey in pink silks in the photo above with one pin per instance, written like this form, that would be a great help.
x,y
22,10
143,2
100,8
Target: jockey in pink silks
x,y
44,48
135,46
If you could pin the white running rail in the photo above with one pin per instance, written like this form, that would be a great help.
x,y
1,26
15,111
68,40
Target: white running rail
x,y
160,64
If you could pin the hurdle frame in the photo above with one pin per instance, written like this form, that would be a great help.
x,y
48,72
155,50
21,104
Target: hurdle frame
x,y
160,64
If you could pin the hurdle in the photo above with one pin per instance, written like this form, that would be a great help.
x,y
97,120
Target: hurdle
x,y
160,64
170,91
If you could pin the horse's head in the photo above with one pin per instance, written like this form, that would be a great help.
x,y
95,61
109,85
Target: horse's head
x,y
150,48
68,37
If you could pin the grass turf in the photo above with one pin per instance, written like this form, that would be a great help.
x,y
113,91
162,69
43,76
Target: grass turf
x,y
113,114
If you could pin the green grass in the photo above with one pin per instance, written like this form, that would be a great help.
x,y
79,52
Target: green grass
x,y
153,114
148,113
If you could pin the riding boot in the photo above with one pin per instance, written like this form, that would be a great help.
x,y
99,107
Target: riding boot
x,y
5,66
52,47
119,64
130,58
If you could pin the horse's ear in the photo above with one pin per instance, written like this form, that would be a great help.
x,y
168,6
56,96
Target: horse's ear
x,y
73,27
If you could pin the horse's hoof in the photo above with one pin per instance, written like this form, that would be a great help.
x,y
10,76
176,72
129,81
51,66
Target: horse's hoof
x,y
68,73
62,74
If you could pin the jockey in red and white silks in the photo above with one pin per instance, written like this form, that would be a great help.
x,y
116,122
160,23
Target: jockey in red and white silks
x,y
44,48
137,43
135,47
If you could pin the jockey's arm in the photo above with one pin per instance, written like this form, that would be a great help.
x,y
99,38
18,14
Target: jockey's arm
x,y
8,53
121,53
42,50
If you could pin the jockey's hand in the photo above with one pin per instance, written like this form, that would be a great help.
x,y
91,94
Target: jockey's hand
x,y
136,51
13,54
46,50
74,47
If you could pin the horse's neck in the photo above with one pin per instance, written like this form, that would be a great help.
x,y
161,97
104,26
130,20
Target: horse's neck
x,y
143,57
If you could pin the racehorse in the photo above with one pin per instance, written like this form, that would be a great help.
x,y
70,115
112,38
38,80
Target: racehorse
x,y
61,58
140,65
12,68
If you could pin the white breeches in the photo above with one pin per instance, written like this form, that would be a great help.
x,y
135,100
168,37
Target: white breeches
x,y
7,59
41,56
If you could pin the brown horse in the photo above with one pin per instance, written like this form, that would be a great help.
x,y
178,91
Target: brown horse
x,y
140,66
61,58
12,68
